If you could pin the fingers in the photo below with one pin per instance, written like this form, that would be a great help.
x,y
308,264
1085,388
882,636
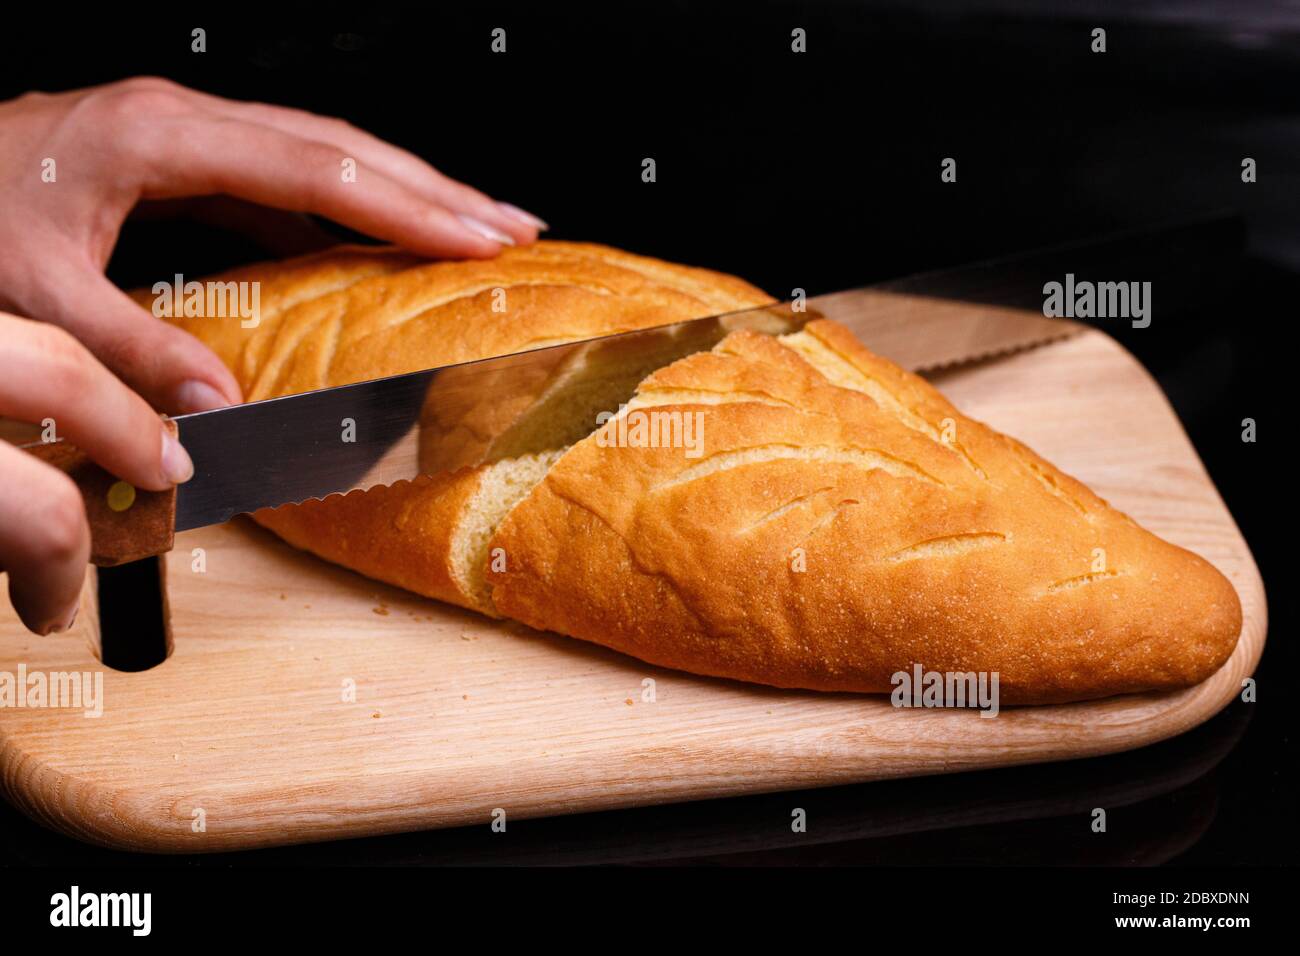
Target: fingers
x,y
170,368
263,165
47,374
148,138
397,164
44,540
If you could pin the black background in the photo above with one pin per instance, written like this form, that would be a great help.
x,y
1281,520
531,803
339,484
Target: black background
x,y
821,171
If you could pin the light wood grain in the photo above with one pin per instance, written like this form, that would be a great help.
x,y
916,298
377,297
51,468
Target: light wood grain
x,y
457,715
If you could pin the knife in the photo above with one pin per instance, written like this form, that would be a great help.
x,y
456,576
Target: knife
x,y
334,440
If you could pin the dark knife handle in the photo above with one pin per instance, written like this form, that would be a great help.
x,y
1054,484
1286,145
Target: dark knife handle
x,y
126,524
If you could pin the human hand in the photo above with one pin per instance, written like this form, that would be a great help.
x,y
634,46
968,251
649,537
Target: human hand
x,y
45,374
146,139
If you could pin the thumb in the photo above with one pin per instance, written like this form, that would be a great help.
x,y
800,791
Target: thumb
x,y
169,367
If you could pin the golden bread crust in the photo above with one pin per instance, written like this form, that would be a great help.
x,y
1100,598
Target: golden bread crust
x,y
400,534
353,313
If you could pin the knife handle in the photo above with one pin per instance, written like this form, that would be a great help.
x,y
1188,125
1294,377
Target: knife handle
x,y
126,524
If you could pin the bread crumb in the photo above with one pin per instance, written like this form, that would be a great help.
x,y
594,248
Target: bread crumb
x,y
381,611
628,701
376,714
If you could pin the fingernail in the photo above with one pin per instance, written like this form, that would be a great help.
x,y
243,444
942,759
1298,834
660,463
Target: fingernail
x,y
523,215
176,464
196,396
486,231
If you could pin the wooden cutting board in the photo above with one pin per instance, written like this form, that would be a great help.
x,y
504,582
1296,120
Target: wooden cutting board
x,y
245,727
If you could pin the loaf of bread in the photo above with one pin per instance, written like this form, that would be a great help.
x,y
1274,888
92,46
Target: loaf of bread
x,y
837,520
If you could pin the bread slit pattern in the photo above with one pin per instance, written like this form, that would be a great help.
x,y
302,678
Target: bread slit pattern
x,y
798,502
839,522
841,371
1081,580
684,396
869,459
947,546
826,519
1048,481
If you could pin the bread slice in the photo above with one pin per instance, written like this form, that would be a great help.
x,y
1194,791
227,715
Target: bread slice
x,y
429,536
839,522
